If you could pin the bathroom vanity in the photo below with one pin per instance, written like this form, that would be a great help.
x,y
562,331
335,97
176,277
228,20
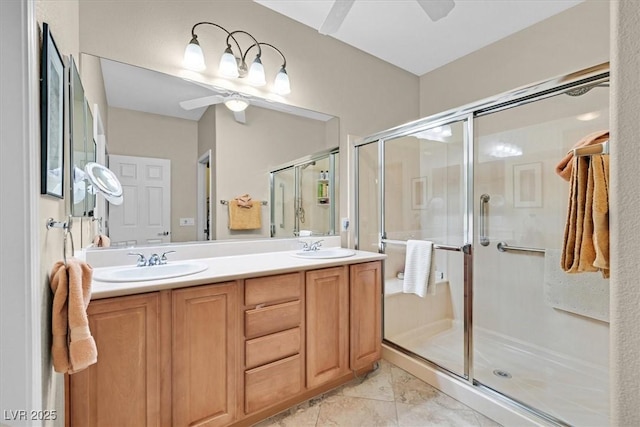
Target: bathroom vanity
x,y
245,339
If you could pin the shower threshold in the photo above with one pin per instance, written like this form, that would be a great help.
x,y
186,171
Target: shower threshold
x,y
564,388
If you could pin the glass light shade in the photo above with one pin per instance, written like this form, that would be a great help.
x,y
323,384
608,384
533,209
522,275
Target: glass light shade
x,y
236,104
228,65
281,84
256,73
193,57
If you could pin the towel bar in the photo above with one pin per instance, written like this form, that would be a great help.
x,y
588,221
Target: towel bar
x,y
226,202
435,245
591,150
503,247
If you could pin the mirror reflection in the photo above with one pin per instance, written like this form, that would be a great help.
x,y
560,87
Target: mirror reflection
x,y
83,147
178,163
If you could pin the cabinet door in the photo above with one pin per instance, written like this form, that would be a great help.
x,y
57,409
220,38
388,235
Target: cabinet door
x,y
204,355
123,388
365,285
327,309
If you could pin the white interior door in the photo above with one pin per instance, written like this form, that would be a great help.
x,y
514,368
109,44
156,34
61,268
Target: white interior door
x,y
145,215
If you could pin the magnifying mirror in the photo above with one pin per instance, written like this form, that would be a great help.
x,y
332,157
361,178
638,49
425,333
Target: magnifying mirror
x,y
105,182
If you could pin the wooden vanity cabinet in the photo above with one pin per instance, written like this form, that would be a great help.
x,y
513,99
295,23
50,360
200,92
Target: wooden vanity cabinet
x,y
230,353
273,333
124,387
365,296
327,312
204,348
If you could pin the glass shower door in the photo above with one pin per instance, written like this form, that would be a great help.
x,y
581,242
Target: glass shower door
x,y
424,199
540,335
283,209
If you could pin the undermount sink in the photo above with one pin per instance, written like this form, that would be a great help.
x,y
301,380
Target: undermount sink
x,y
155,272
326,253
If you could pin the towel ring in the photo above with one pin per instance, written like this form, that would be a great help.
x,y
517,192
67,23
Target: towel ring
x,y
67,234
66,226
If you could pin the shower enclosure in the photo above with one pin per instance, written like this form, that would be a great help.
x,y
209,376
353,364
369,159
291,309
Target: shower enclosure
x,y
304,196
480,183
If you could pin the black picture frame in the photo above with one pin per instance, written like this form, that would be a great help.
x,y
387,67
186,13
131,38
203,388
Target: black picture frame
x,y
52,103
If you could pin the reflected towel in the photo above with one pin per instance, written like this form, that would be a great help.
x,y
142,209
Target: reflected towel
x,y
419,271
565,166
245,218
73,347
244,201
101,241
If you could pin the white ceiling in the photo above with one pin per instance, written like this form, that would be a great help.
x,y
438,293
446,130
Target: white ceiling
x,y
401,33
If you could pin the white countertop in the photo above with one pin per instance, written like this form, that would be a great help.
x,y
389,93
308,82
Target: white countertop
x,y
225,268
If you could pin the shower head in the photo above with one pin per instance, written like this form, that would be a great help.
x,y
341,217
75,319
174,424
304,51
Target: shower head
x,y
306,165
584,89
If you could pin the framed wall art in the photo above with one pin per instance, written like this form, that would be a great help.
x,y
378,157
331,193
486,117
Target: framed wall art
x,y
52,116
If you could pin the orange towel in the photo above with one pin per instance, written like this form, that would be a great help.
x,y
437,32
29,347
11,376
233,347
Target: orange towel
x,y
564,167
73,347
244,217
600,170
586,238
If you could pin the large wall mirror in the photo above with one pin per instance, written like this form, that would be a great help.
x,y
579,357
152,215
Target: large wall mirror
x,y
180,165
83,148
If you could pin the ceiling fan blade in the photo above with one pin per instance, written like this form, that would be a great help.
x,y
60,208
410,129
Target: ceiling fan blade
x,y
336,16
240,116
436,9
192,104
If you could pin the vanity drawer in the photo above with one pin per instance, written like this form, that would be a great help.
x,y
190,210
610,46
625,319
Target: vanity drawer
x,y
264,290
267,349
272,383
275,318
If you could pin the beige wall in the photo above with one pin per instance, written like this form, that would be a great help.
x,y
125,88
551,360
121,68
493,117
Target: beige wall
x,y
62,18
625,204
132,133
245,153
572,40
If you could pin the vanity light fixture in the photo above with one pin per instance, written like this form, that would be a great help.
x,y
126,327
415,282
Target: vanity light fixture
x,y
233,62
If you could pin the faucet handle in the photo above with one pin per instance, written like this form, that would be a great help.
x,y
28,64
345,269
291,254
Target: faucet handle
x,y
142,261
163,258
316,245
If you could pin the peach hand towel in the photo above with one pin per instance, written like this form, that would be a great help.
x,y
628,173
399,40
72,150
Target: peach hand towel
x,y
564,167
101,241
73,349
573,231
244,201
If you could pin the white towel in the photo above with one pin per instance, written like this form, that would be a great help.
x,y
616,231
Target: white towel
x,y
419,269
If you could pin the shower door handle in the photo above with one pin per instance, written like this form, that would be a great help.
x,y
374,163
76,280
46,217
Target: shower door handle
x,y
484,200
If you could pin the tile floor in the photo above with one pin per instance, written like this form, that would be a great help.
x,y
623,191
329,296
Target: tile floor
x,y
388,396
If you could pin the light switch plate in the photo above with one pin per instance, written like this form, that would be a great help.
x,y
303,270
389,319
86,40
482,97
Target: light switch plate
x,y
187,222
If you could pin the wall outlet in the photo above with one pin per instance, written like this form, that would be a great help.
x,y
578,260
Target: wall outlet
x,y
187,222
344,224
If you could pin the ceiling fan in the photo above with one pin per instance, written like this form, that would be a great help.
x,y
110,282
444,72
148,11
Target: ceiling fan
x,y
435,9
233,101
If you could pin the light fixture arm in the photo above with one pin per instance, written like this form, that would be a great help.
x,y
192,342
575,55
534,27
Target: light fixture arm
x,y
243,55
284,60
229,35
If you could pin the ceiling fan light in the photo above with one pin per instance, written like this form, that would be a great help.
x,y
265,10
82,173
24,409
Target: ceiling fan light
x,y
236,104
193,56
281,85
228,64
256,73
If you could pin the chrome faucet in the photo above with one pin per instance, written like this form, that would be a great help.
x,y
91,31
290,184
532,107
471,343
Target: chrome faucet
x,y
311,246
154,259
142,261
